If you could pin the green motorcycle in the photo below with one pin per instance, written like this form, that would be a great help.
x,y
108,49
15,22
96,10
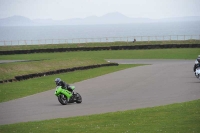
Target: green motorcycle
x,y
65,96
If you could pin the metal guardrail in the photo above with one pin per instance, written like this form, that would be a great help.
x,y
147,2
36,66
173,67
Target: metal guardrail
x,y
100,40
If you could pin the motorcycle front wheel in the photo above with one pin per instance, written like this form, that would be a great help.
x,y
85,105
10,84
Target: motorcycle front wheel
x,y
78,98
62,99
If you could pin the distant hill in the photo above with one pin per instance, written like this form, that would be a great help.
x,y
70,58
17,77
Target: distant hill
x,y
15,21
110,18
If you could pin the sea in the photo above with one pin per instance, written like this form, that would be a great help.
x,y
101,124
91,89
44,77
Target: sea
x,y
16,35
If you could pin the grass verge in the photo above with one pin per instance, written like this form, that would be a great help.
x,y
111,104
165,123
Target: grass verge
x,y
24,88
180,117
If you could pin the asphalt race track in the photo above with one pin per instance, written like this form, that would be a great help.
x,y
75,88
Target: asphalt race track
x,y
163,82
10,61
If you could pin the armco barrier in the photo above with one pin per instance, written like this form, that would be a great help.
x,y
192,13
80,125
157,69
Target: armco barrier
x,y
135,47
28,76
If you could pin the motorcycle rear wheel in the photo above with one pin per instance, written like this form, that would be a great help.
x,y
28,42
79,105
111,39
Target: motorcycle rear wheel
x,y
62,99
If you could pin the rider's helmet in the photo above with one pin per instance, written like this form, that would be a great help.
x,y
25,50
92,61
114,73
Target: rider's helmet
x,y
57,80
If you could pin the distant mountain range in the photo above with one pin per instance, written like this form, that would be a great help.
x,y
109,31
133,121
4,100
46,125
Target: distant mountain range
x,y
110,18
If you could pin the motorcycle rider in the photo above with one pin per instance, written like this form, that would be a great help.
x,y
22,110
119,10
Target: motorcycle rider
x,y
64,85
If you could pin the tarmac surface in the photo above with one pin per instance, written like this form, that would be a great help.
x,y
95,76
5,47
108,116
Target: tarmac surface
x,y
10,61
164,82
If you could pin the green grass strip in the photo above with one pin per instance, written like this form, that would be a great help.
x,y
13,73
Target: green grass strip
x,y
178,53
10,91
174,118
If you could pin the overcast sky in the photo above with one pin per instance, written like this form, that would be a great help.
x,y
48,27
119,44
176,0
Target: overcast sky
x,y
66,9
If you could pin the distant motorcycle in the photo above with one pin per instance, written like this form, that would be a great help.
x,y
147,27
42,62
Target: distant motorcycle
x,y
197,68
196,64
65,96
